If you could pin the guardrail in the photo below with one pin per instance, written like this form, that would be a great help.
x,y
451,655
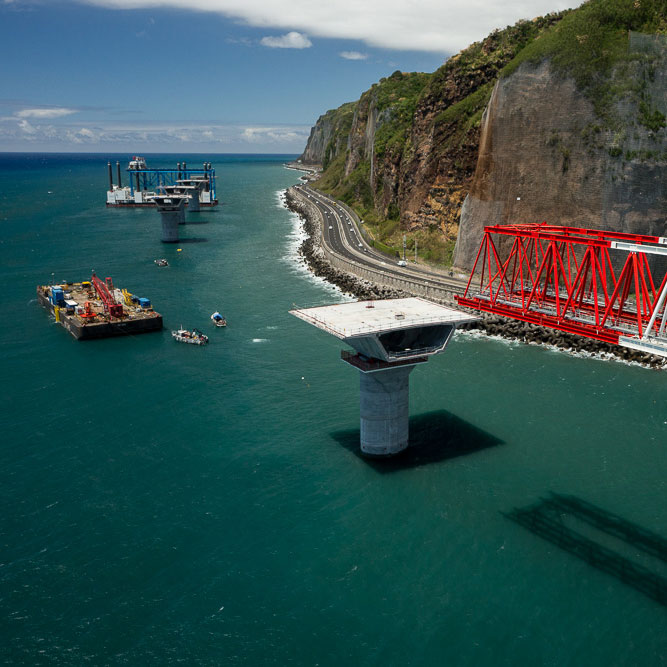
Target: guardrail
x,y
408,284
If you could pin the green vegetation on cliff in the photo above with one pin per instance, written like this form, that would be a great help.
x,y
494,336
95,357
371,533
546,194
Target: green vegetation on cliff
x,y
395,99
592,45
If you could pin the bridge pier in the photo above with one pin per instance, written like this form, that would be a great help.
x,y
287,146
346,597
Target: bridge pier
x,y
193,187
384,411
389,339
171,212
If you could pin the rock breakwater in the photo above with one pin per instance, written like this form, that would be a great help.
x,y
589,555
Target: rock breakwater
x,y
537,335
313,256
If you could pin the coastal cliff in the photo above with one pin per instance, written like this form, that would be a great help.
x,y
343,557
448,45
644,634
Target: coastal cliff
x,y
561,119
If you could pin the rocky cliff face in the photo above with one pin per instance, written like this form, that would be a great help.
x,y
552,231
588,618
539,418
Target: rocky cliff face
x,y
544,156
328,137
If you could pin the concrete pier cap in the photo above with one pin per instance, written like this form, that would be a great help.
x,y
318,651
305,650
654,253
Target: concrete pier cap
x,y
389,339
178,191
171,209
192,187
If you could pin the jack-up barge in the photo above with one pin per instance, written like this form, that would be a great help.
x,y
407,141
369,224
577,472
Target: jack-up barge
x,y
144,183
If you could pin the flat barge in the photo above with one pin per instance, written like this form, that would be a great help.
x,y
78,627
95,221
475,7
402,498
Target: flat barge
x,y
96,309
144,183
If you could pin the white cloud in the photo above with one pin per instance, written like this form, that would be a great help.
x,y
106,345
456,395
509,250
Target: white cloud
x,y
292,40
441,26
18,132
52,112
353,55
26,127
274,135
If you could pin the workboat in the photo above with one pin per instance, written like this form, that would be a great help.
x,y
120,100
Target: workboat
x,y
194,337
137,163
162,262
218,320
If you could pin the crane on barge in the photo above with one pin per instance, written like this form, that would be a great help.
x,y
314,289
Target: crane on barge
x,y
105,292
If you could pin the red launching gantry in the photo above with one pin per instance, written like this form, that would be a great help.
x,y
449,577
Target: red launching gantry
x,y
564,278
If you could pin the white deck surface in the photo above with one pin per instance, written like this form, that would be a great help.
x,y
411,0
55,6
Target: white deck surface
x,y
354,318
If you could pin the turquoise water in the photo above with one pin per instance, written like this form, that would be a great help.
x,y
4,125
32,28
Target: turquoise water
x,y
165,502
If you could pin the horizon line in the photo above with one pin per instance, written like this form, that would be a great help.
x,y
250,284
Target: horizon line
x,y
127,152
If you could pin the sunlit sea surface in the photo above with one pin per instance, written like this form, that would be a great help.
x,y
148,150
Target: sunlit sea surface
x,y
169,503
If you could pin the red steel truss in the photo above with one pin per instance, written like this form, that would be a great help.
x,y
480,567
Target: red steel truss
x,y
564,278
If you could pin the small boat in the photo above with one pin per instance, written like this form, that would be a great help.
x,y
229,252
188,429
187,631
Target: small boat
x,y
162,262
218,319
194,337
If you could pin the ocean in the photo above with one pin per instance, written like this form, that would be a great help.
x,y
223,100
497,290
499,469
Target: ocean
x,y
168,503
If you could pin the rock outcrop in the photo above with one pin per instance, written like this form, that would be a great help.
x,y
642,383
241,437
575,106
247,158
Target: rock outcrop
x,y
329,136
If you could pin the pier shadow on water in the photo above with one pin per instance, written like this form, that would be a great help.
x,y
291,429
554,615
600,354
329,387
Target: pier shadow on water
x,y
193,239
434,437
633,555
197,222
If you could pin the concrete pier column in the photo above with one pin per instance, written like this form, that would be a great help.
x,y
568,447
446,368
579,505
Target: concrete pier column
x,y
193,204
171,211
384,411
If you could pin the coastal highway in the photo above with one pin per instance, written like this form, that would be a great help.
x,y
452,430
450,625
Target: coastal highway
x,y
341,233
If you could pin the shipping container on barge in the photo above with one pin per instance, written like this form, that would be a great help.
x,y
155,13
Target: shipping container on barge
x,y
144,183
96,309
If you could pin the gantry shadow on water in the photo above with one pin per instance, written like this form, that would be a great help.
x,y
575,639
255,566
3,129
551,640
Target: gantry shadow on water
x,y
197,222
555,519
434,436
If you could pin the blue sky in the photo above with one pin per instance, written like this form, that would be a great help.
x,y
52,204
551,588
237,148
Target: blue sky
x,y
213,75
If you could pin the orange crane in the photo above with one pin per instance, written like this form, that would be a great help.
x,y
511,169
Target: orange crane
x,y
105,292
